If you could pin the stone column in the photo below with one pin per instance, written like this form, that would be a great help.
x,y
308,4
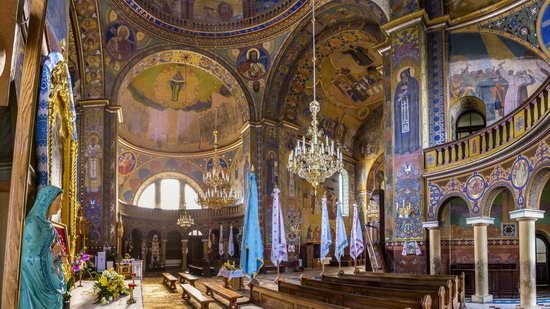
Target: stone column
x,y
182,195
184,250
435,246
163,252
144,255
527,255
481,259
205,249
157,194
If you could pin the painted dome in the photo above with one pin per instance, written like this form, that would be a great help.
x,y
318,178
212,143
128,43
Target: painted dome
x,y
170,99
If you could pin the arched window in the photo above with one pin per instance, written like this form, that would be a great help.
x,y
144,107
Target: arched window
x,y
343,192
195,233
469,122
169,193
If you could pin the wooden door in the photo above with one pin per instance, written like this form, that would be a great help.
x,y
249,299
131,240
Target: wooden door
x,y
542,260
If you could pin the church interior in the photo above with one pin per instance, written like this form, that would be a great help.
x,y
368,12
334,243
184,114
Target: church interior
x,y
275,154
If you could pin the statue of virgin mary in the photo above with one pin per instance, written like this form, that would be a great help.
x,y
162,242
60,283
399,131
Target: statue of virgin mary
x,y
42,280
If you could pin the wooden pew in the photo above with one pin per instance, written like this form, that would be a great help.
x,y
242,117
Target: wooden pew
x,y
438,296
227,294
353,301
190,291
169,280
393,284
459,292
185,277
269,299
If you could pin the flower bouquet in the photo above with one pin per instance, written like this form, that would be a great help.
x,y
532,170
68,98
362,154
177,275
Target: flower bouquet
x,y
230,266
109,286
80,263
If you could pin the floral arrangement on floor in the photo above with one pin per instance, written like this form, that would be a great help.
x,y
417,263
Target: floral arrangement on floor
x,y
230,265
109,286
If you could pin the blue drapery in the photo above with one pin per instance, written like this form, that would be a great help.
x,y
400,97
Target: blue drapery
x,y
252,249
42,286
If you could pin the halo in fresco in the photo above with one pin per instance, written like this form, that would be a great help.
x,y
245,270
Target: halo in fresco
x,y
170,99
543,28
121,41
253,62
126,163
520,172
475,187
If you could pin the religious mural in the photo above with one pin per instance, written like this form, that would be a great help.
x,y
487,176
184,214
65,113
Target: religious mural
x,y
188,89
57,23
458,8
543,28
120,41
495,69
349,85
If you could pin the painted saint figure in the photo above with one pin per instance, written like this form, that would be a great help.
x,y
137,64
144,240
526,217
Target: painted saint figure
x,y
176,85
407,114
517,87
93,165
253,68
42,279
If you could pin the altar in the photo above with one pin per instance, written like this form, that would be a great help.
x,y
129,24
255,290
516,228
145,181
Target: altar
x,y
232,279
83,297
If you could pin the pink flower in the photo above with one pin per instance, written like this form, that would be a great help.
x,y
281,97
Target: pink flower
x,y
76,268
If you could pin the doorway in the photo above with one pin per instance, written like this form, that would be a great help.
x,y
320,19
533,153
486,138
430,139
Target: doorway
x,y
541,245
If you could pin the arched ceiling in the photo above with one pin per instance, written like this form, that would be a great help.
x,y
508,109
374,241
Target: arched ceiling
x,y
169,100
210,22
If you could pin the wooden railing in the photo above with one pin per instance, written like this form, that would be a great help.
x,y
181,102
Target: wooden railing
x,y
197,214
499,135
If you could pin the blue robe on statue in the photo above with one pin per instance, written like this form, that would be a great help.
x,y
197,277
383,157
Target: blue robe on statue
x,y
42,285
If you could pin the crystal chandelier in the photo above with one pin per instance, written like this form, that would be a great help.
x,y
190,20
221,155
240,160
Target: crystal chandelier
x,y
217,198
185,220
320,160
217,176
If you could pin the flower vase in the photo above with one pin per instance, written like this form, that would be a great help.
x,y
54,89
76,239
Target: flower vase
x,y
80,279
67,304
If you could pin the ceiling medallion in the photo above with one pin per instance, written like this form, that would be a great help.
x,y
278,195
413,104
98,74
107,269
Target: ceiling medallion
x,y
320,160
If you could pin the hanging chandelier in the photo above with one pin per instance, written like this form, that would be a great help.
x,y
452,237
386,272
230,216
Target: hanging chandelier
x,y
217,176
319,160
217,198
185,220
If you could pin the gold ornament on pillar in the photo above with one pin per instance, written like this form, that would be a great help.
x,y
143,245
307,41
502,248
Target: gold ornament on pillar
x,y
319,160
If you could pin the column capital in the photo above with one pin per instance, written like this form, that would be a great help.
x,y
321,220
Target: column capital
x,y
431,225
527,214
480,221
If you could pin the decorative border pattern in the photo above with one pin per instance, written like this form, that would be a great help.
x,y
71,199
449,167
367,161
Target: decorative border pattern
x,y
436,92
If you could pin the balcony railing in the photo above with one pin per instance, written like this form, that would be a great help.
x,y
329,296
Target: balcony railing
x,y
197,214
492,139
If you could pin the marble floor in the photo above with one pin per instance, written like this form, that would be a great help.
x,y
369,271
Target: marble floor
x,y
151,293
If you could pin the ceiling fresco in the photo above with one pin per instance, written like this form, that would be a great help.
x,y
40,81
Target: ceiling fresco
x,y
172,98
458,8
349,85
333,17
207,22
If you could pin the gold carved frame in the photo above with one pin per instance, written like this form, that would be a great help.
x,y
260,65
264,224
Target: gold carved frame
x,y
60,102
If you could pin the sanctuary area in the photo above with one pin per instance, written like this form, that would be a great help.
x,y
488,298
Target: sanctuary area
x,y
379,154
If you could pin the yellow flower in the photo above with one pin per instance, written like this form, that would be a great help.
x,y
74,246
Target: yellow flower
x,y
103,281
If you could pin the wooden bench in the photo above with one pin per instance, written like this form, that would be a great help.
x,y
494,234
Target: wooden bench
x,y
227,294
353,301
393,284
190,291
458,295
169,280
185,277
196,270
438,297
270,299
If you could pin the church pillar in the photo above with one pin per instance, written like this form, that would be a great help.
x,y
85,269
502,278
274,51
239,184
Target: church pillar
x,y
182,195
184,250
205,249
481,259
163,252
144,254
157,194
435,246
527,255
405,113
